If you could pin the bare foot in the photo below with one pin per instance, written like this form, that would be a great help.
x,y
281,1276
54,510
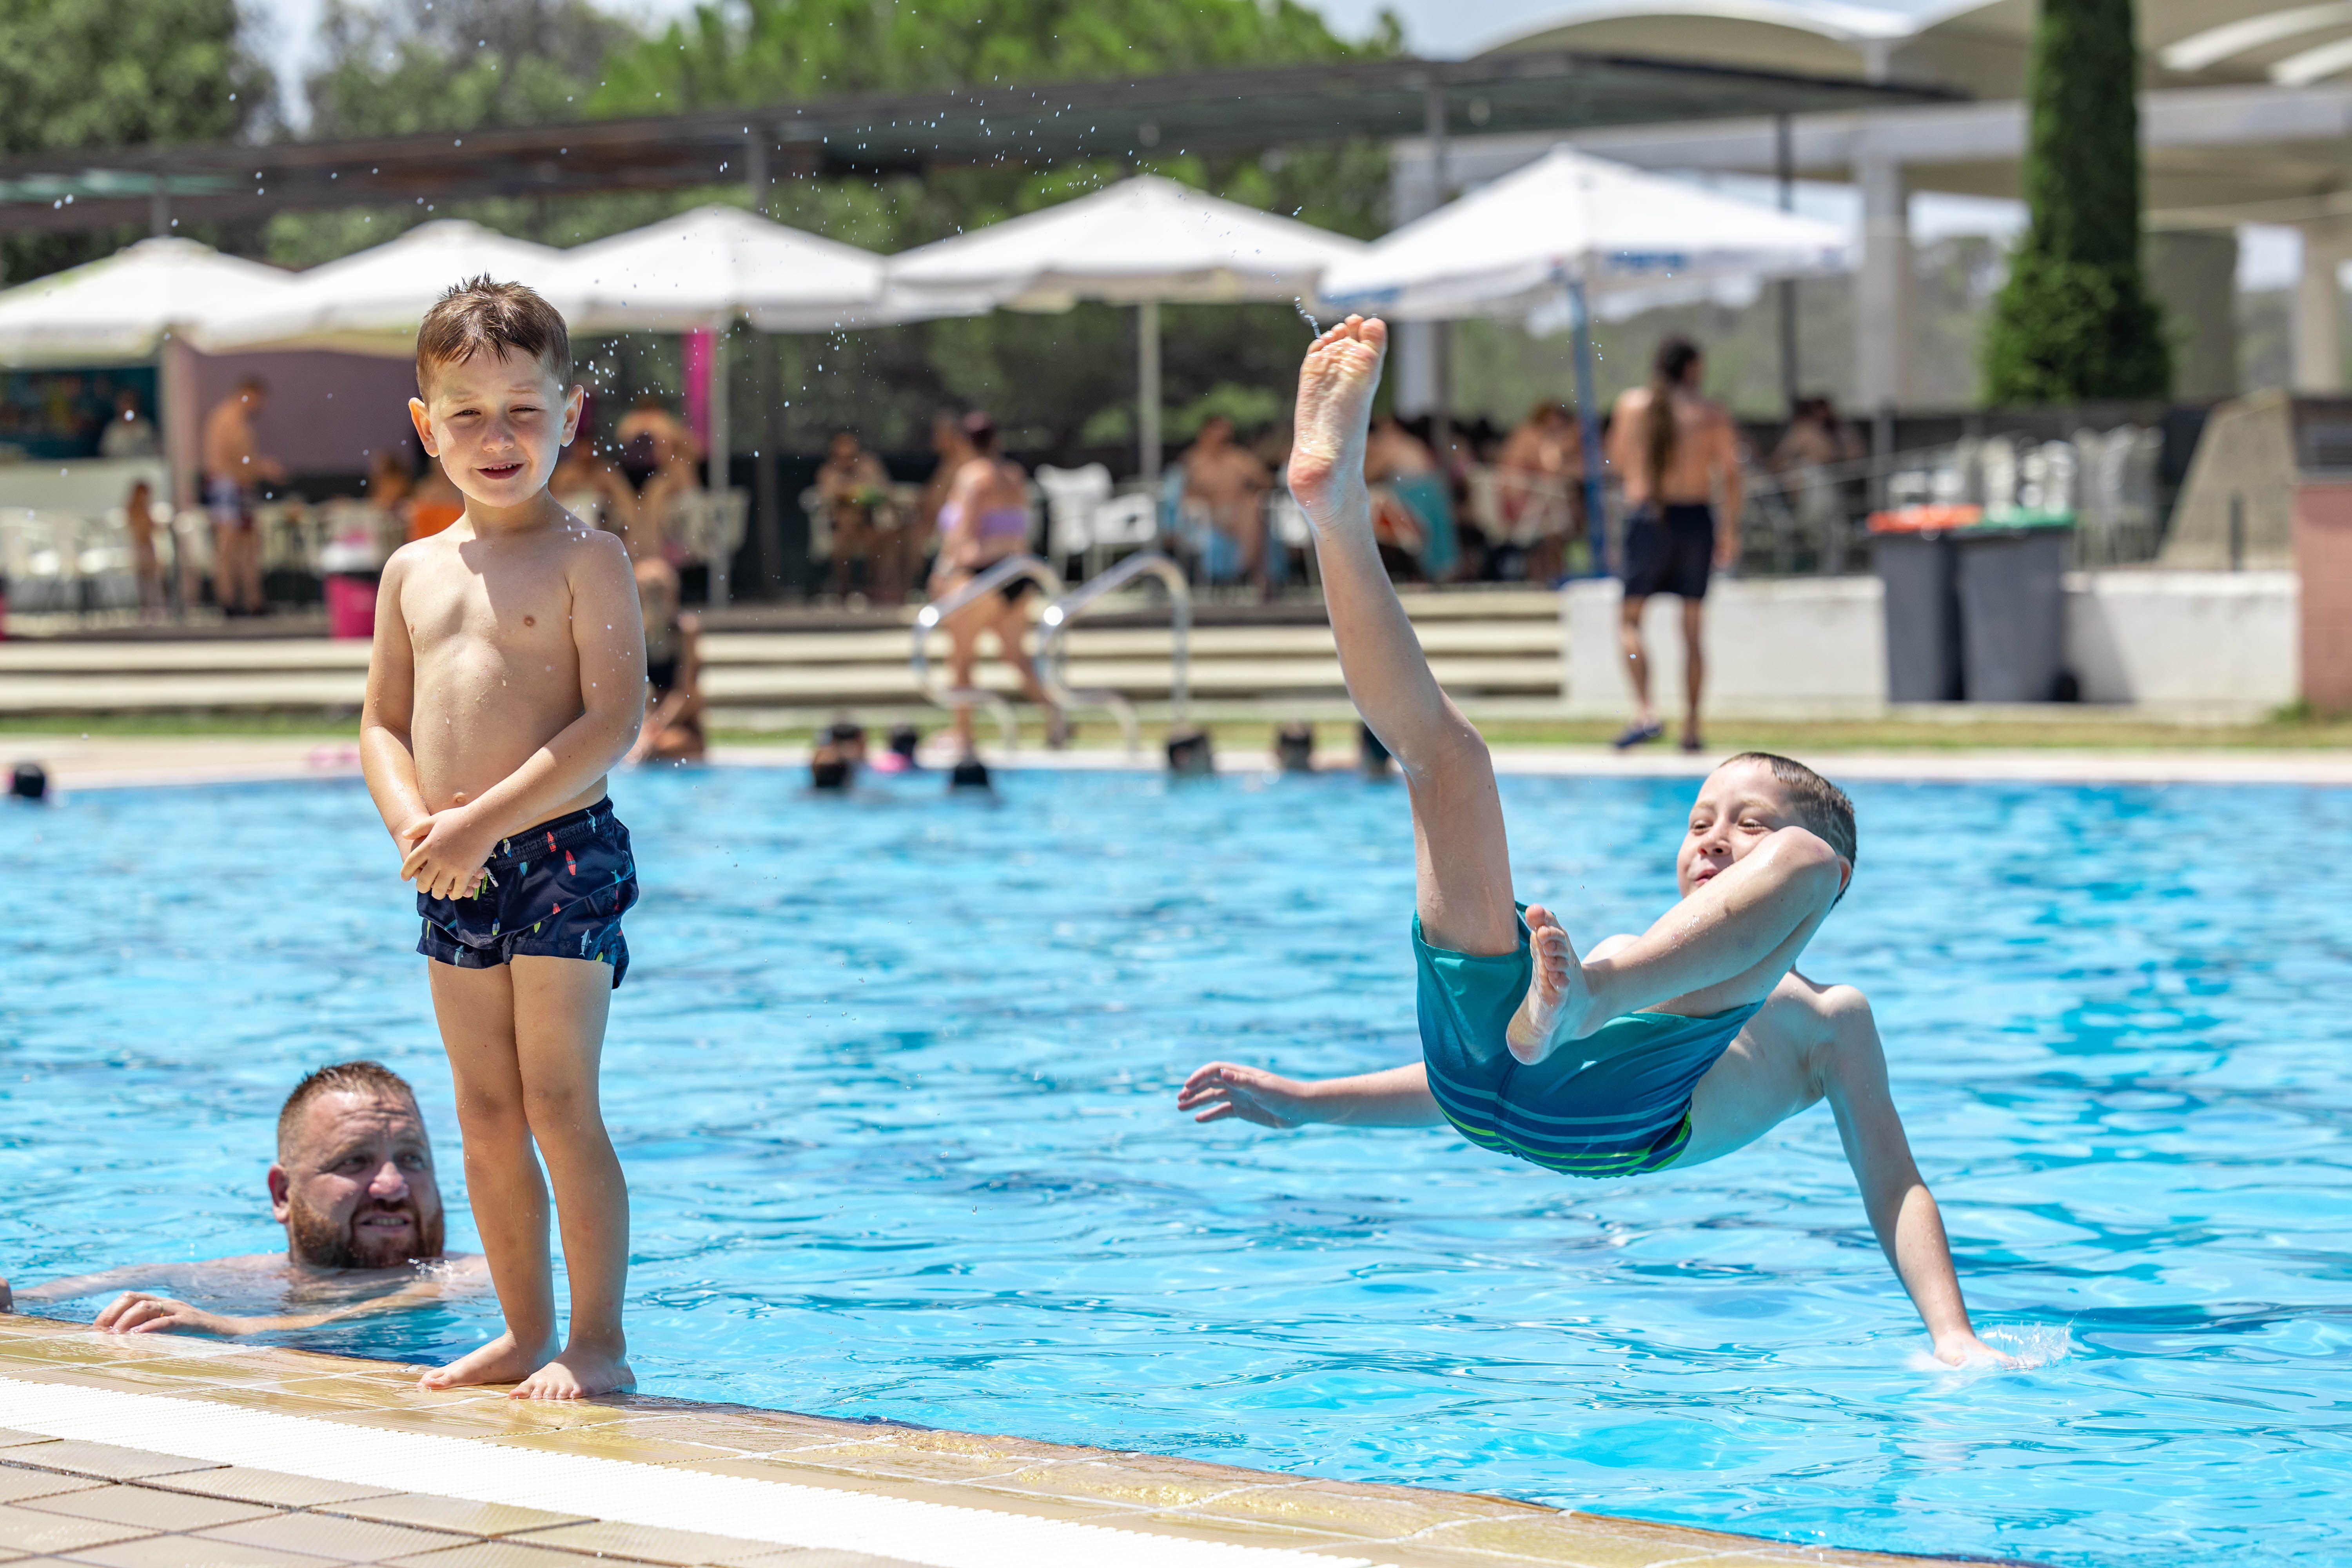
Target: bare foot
x,y
1335,406
1557,997
577,1374
500,1361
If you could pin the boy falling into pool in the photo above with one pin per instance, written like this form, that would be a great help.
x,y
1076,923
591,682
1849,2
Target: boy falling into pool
x,y
507,675
1668,1048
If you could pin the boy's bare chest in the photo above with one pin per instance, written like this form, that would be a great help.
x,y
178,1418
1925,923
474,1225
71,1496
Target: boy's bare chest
x,y
514,607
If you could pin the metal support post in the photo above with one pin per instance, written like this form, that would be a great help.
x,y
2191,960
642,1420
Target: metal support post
x,y
1784,159
1147,388
1588,425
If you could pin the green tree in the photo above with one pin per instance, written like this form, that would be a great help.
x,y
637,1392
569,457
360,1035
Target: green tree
x,y
97,74
441,65
2076,320
1052,382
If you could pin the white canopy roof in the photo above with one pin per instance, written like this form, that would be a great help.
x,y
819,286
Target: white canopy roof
x,y
717,262
370,303
1509,247
120,308
1146,238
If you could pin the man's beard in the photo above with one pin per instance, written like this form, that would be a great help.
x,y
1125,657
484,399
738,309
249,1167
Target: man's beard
x,y
316,1240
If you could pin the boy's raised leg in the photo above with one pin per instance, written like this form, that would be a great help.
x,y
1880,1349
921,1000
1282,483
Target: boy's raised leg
x,y
1463,862
476,1008
560,1005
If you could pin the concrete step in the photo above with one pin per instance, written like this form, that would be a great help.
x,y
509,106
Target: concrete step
x,y
1500,644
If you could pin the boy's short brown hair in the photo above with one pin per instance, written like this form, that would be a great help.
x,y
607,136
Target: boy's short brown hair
x,y
479,314
1821,808
342,1078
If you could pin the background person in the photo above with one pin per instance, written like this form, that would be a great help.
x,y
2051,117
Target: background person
x,y
984,519
856,489
1539,477
233,464
139,522
1232,482
433,505
353,1186
130,434
1675,452
672,731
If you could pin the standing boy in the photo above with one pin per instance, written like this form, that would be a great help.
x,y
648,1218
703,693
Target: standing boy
x,y
507,675
1671,1047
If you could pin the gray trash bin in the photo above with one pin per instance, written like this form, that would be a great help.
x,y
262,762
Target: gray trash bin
x,y
1923,616
2012,612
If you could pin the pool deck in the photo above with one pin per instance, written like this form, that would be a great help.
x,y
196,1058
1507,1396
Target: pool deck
x,y
173,1452
103,762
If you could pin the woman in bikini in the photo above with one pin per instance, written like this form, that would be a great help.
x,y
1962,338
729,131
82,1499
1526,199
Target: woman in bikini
x,y
985,519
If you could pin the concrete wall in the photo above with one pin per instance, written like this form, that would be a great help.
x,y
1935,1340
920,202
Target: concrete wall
x,y
2194,643
2222,642
1790,646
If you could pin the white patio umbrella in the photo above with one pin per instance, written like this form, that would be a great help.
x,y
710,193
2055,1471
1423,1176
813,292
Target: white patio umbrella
x,y
715,263
138,304
371,302
1579,226
124,307
1140,242
703,269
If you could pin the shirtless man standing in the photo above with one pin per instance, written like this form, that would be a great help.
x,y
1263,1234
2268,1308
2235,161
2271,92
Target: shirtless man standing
x,y
233,463
1675,451
1232,482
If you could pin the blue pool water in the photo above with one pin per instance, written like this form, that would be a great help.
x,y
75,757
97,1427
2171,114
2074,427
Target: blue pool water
x,y
893,1078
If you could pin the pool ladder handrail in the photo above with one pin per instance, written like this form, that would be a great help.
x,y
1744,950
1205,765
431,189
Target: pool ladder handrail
x,y
1054,653
928,619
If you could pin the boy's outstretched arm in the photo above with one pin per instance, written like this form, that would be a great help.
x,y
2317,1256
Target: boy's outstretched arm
x,y
387,755
1397,1097
1901,1211
1464,862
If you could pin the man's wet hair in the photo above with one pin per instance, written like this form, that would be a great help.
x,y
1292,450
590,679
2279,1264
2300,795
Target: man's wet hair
x,y
482,316
1821,808
342,1078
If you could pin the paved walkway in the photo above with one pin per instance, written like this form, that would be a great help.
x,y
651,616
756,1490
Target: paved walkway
x,y
161,1451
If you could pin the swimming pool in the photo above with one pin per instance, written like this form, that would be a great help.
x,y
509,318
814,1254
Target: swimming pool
x,y
893,1077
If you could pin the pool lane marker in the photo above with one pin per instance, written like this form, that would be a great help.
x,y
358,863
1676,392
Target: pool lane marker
x,y
945,1535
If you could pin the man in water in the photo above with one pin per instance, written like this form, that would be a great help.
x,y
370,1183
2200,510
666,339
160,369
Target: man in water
x,y
352,1185
1669,1049
234,465
1675,451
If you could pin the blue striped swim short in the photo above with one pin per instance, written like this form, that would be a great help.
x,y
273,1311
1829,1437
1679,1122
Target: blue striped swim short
x,y
1615,1103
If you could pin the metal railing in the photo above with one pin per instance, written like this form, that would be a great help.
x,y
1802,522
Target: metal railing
x,y
1054,653
928,620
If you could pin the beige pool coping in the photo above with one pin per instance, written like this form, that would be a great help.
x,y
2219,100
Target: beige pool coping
x,y
106,761
120,1505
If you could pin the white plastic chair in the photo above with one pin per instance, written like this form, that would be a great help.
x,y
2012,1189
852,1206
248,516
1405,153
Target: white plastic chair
x,y
1072,496
1287,520
820,523
1121,522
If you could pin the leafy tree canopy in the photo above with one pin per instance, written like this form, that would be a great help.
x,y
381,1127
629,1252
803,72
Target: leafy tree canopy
x,y
93,73
440,65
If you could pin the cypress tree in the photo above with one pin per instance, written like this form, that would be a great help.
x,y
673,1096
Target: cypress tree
x,y
2076,320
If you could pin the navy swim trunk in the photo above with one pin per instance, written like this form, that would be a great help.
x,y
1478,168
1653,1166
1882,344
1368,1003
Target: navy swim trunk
x,y
1615,1103
1671,552
556,890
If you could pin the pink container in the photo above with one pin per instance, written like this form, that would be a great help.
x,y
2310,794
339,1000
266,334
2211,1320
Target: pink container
x,y
350,607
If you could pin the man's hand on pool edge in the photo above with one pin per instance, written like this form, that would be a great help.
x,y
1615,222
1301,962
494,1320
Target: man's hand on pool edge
x,y
137,1312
